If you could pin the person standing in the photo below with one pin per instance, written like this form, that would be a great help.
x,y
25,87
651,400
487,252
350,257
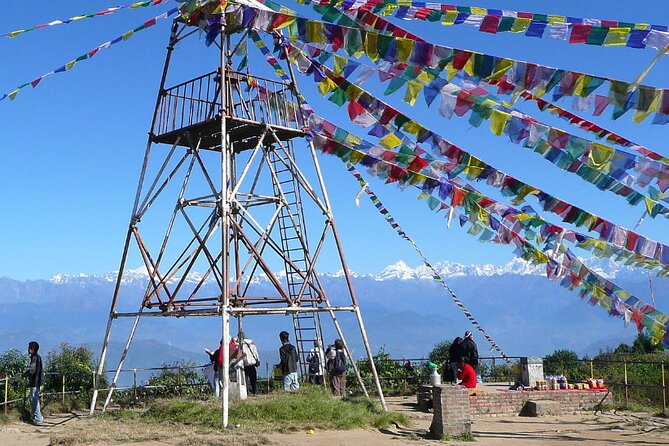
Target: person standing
x,y
471,353
336,366
455,352
35,373
251,361
216,357
316,360
288,365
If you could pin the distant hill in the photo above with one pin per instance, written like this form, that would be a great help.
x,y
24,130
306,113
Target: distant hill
x,y
405,313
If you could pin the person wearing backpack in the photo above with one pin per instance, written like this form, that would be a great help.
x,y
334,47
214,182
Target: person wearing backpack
x,y
251,361
316,360
336,367
35,374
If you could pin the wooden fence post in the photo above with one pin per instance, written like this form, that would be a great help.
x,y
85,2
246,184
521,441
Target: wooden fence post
x,y
592,370
134,382
7,390
626,391
664,393
63,391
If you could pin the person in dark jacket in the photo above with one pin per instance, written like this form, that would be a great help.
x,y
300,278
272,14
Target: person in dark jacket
x,y
289,358
455,352
471,354
35,375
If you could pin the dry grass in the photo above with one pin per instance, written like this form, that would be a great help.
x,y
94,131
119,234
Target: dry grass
x,y
117,430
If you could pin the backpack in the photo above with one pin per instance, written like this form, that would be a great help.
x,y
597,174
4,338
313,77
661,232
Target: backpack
x,y
315,363
338,363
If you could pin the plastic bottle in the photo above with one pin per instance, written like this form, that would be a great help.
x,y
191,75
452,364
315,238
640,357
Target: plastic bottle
x,y
435,377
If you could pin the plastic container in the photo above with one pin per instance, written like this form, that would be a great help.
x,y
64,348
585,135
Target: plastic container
x,y
435,378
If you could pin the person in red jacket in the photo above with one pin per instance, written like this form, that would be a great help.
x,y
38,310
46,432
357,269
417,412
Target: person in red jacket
x,y
466,374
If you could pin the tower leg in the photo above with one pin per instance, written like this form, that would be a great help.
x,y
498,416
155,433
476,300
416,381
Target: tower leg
x,y
122,360
365,340
105,342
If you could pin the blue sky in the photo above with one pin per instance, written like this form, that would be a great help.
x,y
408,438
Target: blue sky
x,y
71,149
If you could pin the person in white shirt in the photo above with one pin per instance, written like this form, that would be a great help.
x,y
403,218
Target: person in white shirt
x,y
251,361
316,360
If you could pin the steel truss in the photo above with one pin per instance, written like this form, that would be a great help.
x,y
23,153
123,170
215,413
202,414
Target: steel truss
x,y
221,154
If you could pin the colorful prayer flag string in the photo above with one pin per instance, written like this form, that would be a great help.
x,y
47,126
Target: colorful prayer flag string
x,y
68,66
77,18
504,120
575,30
561,266
435,274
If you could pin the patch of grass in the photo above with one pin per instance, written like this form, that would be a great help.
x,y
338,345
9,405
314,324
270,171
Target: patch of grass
x,y
311,407
466,436
12,416
198,422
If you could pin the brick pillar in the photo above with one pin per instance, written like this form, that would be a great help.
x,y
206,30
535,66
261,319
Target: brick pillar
x,y
452,415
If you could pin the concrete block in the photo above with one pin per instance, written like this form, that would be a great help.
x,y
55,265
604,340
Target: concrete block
x,y
540,408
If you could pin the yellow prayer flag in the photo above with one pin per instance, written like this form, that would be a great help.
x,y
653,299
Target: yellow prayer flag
x,y
556,19
649,205
474,167
70,64
449,18
411,94
424,77
371,46
520,24
326,85
13,94
617,37
412,127
128,35
389,10
352,140
404,3
417,178
339,64
15,33
469,67
642,26
640,115
502,67
479,11
599,155
315,32
451,72
288,22
404,47
390,141
498,121
79,17
581,83
356,156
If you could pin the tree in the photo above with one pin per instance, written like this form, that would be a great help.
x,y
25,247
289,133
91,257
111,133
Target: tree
x,y
181,378
12,364
643,344
76,364
565,362
439,354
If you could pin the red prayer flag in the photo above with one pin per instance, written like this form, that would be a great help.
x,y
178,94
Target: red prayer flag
x,y
490,24
579,33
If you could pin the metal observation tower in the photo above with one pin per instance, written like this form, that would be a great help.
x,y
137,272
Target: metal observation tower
x,y
230,181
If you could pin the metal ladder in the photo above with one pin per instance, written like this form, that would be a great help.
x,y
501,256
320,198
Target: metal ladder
x,y
307,326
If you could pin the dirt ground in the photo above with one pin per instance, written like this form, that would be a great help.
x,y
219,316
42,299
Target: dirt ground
x,y
621,428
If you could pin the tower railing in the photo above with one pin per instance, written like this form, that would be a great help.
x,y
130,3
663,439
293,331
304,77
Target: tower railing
x,y
252,100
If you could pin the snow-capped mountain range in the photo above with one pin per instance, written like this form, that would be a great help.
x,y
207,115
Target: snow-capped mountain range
x,y
396,271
